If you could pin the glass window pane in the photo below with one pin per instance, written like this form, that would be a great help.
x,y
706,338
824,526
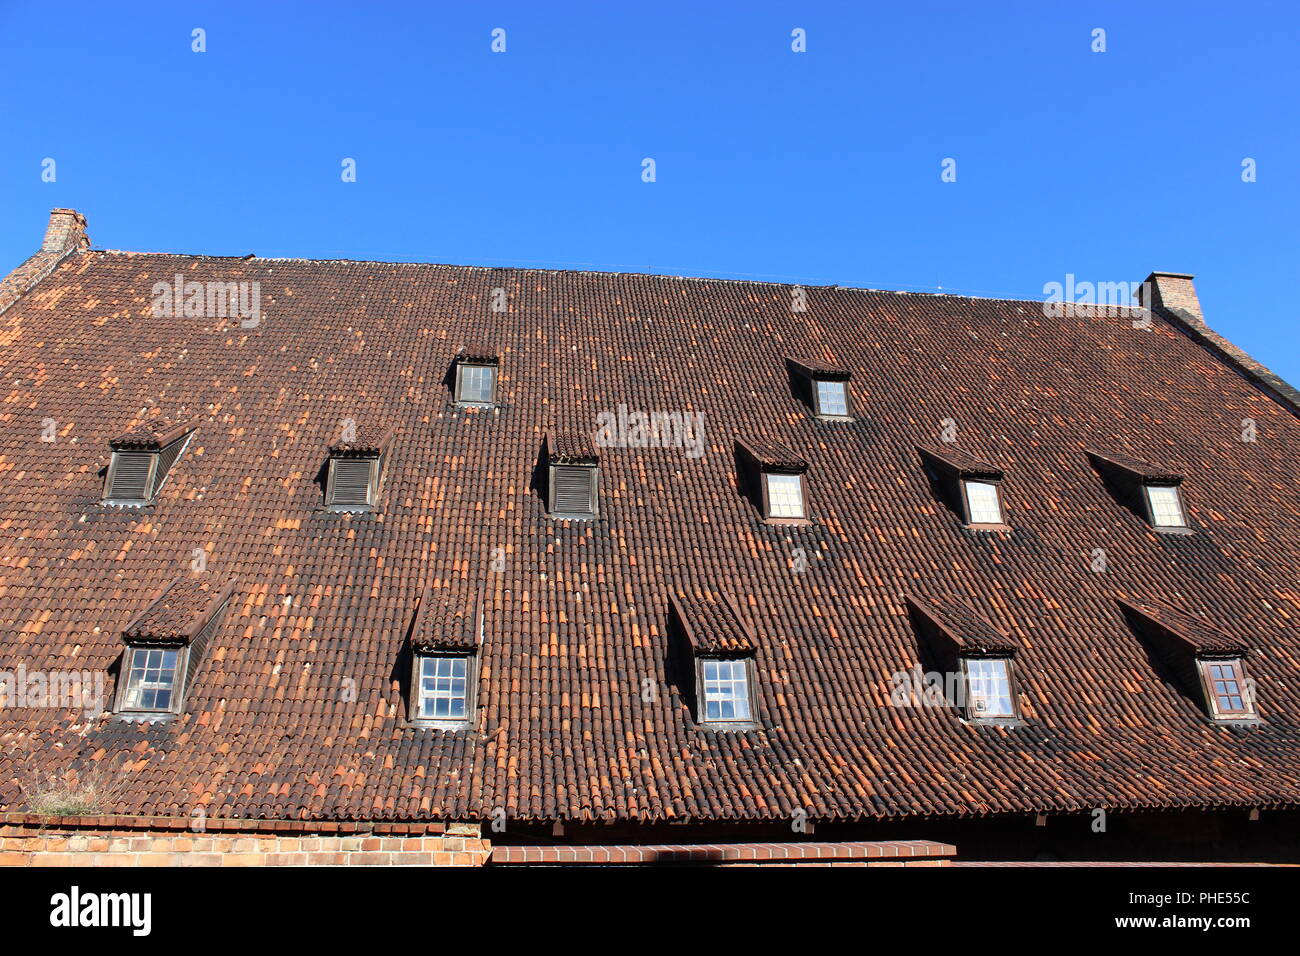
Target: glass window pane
x,y
982,501
1166,508
444,688
988,685
476,383
785,496
726,690
832,398
151,679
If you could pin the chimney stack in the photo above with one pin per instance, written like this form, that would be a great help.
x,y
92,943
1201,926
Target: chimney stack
x,y
66,232
1172,292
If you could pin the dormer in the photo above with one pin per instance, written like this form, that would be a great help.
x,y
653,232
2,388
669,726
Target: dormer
x,y
166,644
1208,665
1152,491
356,467
982,659
445,639
774,478
476,370
573,476
970,487
715,648
822,386
142,460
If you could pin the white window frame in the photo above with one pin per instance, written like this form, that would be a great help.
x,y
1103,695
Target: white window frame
x,y
1177,500
177,688
977,670
460,384
419,695
820,411
1210,681
968,505
768,509
703,684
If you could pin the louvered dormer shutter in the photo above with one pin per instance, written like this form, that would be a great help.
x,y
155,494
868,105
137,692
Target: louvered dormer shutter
x,y
130,476
350,481
574,490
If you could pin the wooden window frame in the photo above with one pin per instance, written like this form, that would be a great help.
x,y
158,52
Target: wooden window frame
x,y
817,401
594,485
701,705
1251,713
471,403
965,505
372,485
770,518
178,682
1183,528
471,691
1013,690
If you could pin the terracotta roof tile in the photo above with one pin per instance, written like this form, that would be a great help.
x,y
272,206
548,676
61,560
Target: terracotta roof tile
x,y
576,613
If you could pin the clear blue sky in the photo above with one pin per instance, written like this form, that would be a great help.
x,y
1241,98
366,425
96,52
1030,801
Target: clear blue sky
x,y
820,167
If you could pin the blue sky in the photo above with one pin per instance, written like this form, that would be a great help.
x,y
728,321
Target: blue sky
x,y
818,167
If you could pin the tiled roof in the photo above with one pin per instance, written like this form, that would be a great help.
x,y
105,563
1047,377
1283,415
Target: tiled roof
x,y
1195,634
366,441
576,613
1142,470
959,462
571,448
152,435
817,368
179,612
772,454
968,632
712,620
447,621
479,353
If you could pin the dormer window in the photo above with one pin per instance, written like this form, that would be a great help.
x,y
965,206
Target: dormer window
x,y
1207,664
151,679
356,469
1166,506
823,386
784,495
773,476
165,645
1227,689
832,399
1151,491
445,638
444,688
724,689
956,641
573,476
476,376
988,688
142,461
710,632
969,486
983,506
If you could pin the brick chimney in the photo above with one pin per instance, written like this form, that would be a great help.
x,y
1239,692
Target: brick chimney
x,y
65,235
66,232
1172,296
1172,292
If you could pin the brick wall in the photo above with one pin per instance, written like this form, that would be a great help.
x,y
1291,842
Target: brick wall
x,y
460,846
